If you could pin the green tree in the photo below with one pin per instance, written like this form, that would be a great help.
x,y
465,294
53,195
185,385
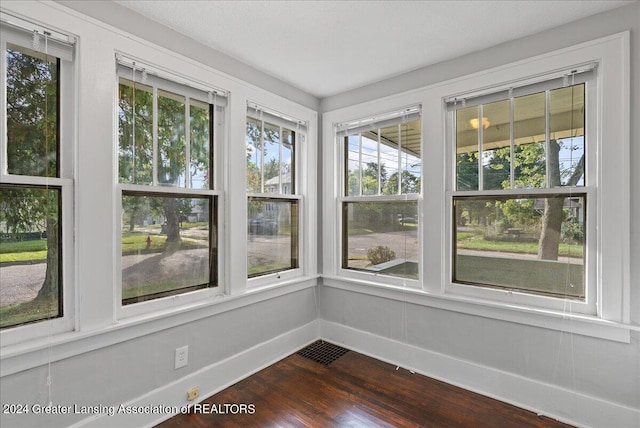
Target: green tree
x,y
32,149
409,184
554,215
256,152
467,171
135,116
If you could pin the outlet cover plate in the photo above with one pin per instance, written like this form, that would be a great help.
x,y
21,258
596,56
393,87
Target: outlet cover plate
x,y
182,357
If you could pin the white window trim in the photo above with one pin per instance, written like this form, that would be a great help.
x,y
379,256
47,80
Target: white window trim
x,y
95,324
588,306
612,320
288,117
168,303
340,129
67,149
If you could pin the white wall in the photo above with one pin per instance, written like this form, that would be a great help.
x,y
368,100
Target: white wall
x,y
134,23
576,378
110,359
600,25
115,364
126,371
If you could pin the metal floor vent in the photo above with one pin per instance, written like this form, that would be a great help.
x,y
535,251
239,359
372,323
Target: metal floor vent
x,y
323,352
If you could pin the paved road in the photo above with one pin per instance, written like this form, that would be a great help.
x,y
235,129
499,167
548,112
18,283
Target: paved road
x,y
20,283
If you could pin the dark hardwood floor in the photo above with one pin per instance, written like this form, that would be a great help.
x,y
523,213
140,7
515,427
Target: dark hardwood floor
x,y
353,391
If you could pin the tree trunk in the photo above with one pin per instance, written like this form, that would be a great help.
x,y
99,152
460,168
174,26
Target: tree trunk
x,y
49,290
173,223
553,216
551,224
132,219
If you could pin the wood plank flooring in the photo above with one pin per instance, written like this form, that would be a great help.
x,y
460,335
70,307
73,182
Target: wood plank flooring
x,y
353,391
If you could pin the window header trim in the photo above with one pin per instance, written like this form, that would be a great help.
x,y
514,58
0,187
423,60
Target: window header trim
x,y
147,74
570,77
259,112
396,117
38,38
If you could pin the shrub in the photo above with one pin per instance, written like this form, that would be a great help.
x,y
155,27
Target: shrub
x,y
380,254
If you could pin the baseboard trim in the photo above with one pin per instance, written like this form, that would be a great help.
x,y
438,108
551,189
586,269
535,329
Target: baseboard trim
x,y
558,403
542,398
210,380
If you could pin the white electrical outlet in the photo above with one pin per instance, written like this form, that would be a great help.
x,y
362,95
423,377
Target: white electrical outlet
x,y
182,356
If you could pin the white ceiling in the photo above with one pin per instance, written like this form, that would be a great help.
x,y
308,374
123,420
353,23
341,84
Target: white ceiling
x,y
328,47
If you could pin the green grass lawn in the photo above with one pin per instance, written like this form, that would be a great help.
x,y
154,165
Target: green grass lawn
x,y
266,268
135,243
353,231
36,250
29,311
23,251
475,241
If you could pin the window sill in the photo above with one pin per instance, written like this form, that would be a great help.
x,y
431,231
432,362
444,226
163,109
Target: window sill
x,y
554,320
31,354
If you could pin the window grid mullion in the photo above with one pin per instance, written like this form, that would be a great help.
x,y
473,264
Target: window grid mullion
x,y
480,148
359,164
280,159
512,149
155,155
547,136
262,154
379,166
187,143
399,173
4,166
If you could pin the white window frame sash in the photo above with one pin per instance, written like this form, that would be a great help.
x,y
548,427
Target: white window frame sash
x,y
167,302
375,277
65,182
522,297
158,83
286,275
342,132
264,115
608,190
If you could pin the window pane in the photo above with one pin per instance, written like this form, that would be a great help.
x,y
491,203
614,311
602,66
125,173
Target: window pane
x,y
171,139
467,148
273,235
369,163
375,159
199,144
32,112
522,243
135,132
496,145
168,245
389,157
353,165
566,123
253,140
410,161
529,132
381,237
287,162
30,254
271,158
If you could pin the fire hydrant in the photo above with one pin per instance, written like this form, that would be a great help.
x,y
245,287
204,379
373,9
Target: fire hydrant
x,y
148,241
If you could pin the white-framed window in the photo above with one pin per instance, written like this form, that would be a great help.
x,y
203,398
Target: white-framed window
x,y
381,167
274,201
489,169
36,181
524,190
168,128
